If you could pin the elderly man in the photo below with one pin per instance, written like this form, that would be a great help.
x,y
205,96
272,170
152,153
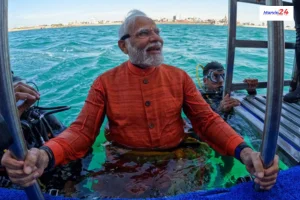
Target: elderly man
x,y
142,99
213,79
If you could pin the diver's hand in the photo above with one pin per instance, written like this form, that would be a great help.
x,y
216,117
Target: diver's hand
x,y
266,178
252,83
25,173
26,93
228,103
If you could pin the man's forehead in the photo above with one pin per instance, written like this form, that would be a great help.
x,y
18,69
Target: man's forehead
x,y
221,71
142,22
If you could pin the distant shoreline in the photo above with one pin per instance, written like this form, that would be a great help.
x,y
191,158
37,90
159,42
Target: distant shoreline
x,y
112,24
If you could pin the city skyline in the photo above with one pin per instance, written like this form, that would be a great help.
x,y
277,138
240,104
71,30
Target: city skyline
x,y
34,12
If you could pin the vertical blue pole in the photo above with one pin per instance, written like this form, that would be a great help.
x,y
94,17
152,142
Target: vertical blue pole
x,y
232,18
275,87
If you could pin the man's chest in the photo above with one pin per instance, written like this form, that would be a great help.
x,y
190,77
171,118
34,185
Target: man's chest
x,y
144,97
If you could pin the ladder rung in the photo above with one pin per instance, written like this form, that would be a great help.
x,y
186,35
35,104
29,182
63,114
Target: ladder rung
x,y
259,125
259,44
242,86
263,2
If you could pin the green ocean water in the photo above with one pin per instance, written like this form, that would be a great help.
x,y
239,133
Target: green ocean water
x,y
64,62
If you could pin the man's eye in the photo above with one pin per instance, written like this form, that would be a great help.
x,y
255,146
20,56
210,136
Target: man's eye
x,y
143,33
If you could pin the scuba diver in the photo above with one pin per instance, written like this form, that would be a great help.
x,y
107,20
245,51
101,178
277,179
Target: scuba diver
x,y
212,92
213,79
294,94
38,123
22,92
38,126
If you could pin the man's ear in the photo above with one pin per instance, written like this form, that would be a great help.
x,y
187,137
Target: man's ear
x,y
122,46
204,80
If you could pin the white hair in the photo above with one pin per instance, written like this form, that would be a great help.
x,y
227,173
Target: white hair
x,y
130,18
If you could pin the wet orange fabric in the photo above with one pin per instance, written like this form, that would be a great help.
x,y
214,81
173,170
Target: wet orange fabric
x,y
143,107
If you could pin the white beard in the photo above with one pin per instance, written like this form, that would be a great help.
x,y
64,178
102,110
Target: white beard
x,y
140,57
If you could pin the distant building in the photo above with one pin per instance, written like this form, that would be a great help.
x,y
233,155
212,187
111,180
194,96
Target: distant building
x,y
174,18
163,20
246,24
56,25
182,21
43,26
191,19
210,21
223,21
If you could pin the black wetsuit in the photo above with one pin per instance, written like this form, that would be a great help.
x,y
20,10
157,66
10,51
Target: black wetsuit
x,y
214,101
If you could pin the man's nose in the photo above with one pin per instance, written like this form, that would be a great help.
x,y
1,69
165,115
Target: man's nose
x,y
155,37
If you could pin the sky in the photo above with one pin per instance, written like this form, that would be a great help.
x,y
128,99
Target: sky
x,y
40,12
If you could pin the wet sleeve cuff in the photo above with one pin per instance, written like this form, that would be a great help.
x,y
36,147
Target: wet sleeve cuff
x,y
58,152
232,144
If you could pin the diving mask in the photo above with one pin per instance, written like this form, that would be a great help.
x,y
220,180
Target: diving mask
x,y
216,76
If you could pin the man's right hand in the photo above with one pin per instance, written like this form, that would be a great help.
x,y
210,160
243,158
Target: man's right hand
x,y
26,93
25,173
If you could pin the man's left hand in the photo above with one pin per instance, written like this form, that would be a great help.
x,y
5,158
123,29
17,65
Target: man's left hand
x,y
266,178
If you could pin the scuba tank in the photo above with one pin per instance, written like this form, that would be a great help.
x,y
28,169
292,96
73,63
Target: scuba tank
x,y
39,125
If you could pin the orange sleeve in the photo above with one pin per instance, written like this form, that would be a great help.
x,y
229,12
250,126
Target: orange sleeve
x,y
76,140
210,127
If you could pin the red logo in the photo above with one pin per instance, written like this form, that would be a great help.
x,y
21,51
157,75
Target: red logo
x,y
283,12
